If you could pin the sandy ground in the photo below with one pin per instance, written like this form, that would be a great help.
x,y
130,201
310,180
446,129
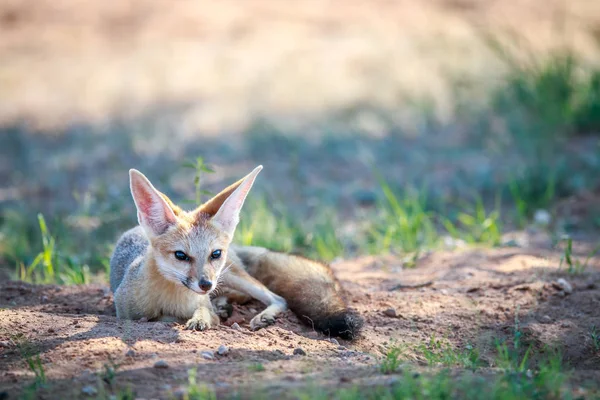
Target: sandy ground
x,y
472,300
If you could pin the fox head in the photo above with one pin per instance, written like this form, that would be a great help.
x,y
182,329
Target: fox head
x,y
190,247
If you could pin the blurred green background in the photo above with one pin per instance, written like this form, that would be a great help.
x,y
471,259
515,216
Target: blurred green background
x,y
383,126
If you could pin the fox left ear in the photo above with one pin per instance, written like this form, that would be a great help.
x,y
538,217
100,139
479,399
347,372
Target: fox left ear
x,y
226,206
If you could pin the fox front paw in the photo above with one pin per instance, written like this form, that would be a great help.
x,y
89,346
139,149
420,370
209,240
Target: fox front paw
x,y
262,320
199,324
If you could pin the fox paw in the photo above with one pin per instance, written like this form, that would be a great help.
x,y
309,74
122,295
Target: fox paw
x,y
261,321
222,307
198,324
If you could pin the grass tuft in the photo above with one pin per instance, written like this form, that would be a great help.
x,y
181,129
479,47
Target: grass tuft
x,y
326,243
196,391
475,225
575,266
438,352
200,168
109,373
545,100
32,359
264,225
53,264
256,367
392,360
532,190
402,225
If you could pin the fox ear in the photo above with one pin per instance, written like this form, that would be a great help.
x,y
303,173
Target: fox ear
x,y
225,207
155,214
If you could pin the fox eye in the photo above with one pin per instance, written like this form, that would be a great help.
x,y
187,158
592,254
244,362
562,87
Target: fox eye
x,y
181,256
215,254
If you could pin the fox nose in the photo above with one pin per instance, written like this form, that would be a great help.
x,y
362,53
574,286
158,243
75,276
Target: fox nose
x,y
205,284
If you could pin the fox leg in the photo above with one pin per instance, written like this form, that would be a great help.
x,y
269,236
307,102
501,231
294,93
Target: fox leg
x,y
239,280
204,317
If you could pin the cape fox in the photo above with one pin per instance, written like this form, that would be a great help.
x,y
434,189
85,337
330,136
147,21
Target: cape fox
x,y
170,265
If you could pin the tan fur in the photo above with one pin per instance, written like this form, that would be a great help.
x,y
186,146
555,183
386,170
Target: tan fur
x,y
147,279
153,296
150,281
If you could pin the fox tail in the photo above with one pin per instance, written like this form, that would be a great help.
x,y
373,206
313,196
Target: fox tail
x,y
309,287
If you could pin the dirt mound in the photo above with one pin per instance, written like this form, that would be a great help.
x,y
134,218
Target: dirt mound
x,y
467,297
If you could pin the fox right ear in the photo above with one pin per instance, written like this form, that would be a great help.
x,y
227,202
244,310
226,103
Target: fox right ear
x,y
155,215
227,214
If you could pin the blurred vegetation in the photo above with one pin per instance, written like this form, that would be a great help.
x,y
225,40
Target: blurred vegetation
x,y
535,117
531,125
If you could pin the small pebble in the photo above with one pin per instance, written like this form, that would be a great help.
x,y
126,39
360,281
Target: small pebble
x,y
390,312
130,353
222,350
529,374
236,326
334,341
89,390
542,217
299,352
546,319
452,243
563,285
161,364
143,319
208,355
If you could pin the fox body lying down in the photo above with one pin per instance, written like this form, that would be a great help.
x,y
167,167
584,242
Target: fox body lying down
x,y
169,266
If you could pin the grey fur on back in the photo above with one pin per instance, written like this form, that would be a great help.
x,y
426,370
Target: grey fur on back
x,y
130,246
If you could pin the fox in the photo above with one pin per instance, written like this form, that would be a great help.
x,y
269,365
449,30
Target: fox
x,y
182,266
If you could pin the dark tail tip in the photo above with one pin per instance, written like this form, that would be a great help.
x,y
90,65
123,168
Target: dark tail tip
x,y
345,324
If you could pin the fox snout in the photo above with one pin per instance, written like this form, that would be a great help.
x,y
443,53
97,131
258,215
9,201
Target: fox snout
x,y
200,286
205,278
204,284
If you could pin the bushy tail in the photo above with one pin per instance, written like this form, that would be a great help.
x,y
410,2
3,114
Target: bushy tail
x,y
309,287
344,323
